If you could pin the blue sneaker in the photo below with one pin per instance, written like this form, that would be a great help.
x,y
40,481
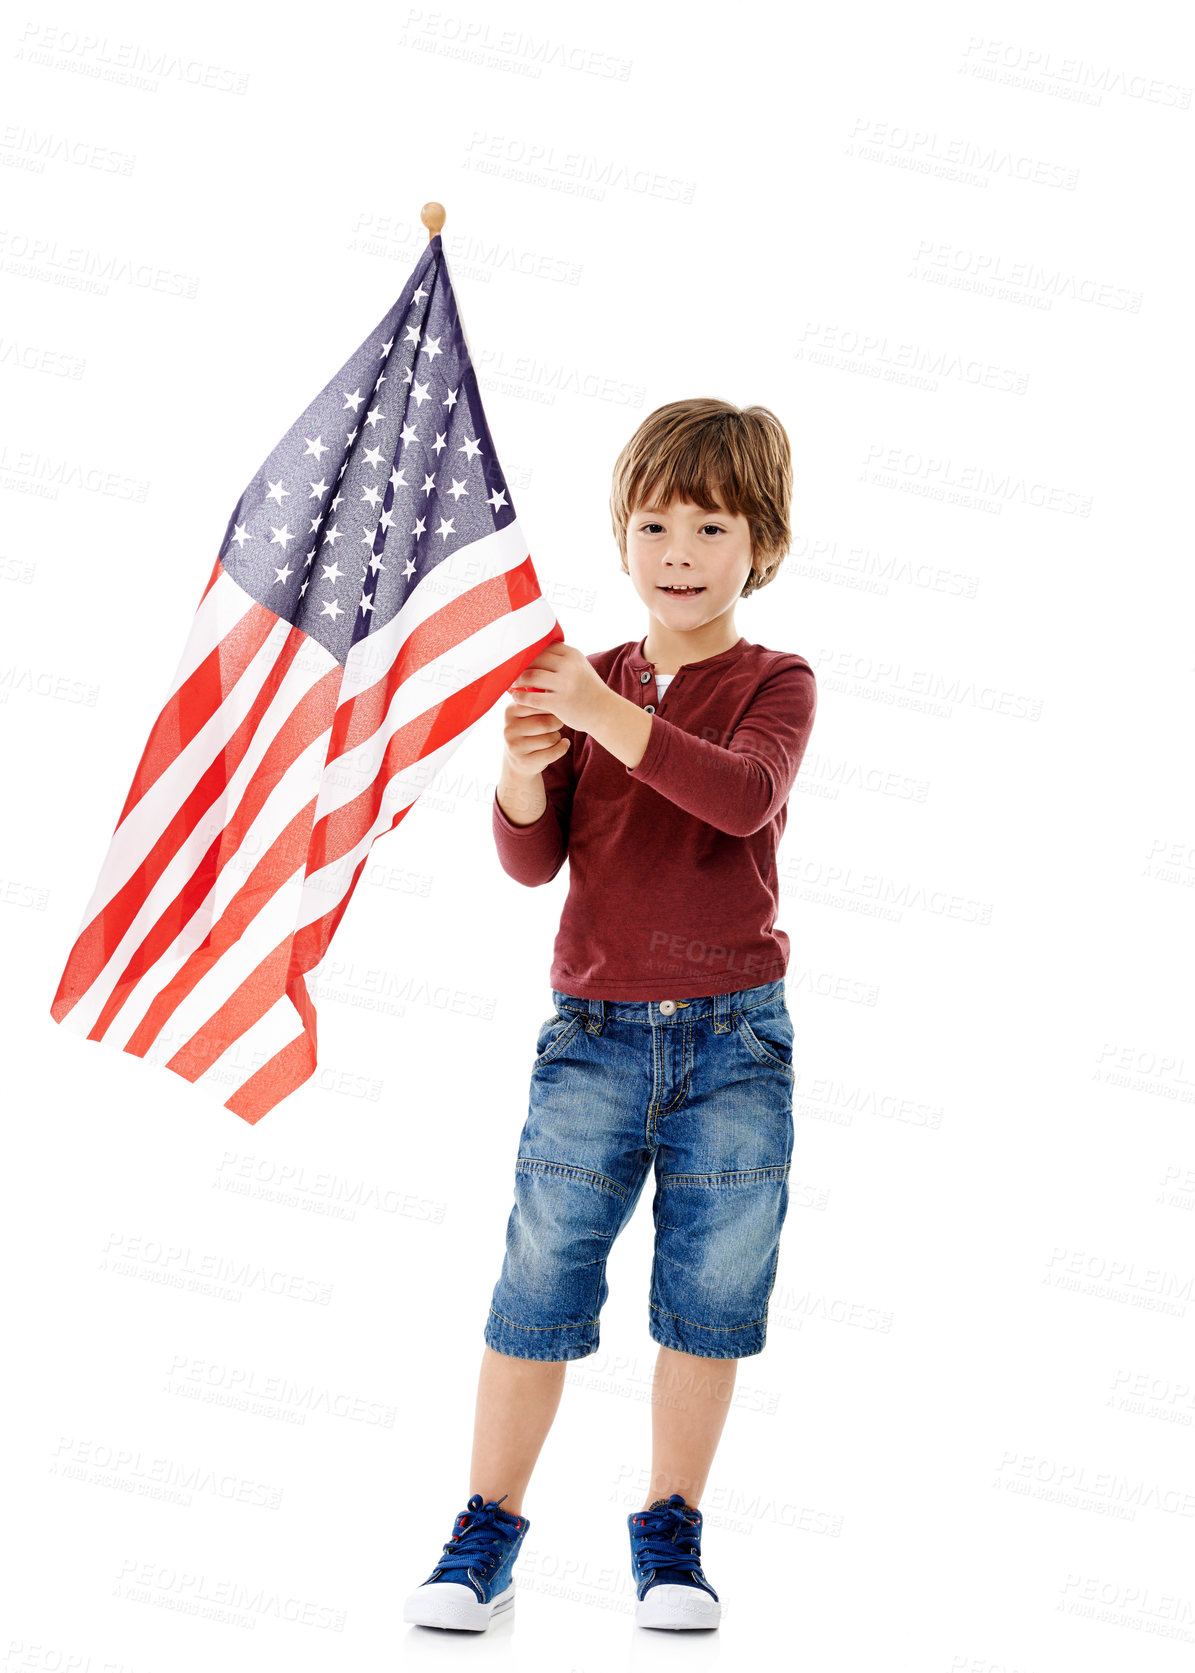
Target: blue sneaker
x,y
472,1582
666,1565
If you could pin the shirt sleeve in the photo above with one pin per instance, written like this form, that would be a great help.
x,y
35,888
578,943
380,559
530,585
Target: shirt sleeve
x,y
533,854
739,786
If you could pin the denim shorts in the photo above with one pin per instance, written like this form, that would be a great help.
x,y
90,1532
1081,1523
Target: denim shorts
x,y
701,1091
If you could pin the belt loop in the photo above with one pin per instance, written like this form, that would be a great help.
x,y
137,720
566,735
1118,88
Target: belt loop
x,y
596,1019
722,1013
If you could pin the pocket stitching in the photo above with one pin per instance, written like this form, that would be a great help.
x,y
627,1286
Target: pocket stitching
x,y
557,1044
758,1049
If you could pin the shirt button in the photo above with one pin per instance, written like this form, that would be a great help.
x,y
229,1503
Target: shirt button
x,y
649,708
644,677
668,1006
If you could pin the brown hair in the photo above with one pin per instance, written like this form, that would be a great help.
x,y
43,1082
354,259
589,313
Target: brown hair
x,y
702,450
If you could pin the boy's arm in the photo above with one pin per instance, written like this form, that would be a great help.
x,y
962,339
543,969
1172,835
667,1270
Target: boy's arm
x,y
736,787
534,853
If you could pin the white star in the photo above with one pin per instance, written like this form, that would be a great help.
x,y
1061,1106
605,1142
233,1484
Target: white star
x,y
375,563
386,347
420,394
354,400
331,536
276,491
331,608
412,333
432,348
472,448
408,570
318,490
450,399
409,433
307,560
406,377
349,440
373,456
333,505
420,294
283,574
366,603
303,588
318,446
439,444
332,572
397,479
497,499
387,520
457,489
314,525
429,482
419,528
240,536
372,416
372,495
445,528
279,537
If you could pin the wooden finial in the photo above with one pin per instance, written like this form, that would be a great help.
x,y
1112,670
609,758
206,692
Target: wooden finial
x,y
433,216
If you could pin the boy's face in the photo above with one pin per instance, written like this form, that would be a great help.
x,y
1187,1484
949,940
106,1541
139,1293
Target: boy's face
x,y
682,545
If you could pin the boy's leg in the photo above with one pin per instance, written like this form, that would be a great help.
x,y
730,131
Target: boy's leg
x,y
516,1403
690,1399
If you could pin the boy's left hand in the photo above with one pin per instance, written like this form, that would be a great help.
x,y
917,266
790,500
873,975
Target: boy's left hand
x,y
569,686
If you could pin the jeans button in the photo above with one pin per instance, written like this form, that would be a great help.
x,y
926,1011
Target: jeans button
x,y
667,1006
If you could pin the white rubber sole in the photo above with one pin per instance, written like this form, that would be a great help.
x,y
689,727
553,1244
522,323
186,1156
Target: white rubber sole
x,y
679,1607
442,1603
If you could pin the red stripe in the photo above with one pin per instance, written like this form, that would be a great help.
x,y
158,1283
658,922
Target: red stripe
x,y
283,1074
252,999
99,940
340,831
358,719
217,567
278,864
198,698
308,720
288,1068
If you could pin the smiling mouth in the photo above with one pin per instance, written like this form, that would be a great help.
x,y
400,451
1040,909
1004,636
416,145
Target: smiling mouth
x,y
683,592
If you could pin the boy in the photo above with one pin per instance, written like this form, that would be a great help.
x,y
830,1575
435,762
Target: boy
x,y
662,770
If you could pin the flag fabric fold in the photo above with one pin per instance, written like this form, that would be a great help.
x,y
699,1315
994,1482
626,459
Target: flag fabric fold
x,y
372,599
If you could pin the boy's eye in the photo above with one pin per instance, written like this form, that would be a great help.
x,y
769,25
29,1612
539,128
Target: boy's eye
x,y
646,528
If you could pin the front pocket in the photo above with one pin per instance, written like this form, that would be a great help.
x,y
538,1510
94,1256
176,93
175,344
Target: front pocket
x,y
554,1035
770,1038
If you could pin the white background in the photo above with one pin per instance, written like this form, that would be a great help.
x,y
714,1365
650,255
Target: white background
x,y
948,247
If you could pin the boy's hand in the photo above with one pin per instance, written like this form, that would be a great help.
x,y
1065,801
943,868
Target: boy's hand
x,y
563,681
532,740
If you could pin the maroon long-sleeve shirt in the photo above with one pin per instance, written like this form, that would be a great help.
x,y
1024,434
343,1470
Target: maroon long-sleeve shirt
x,y
672,863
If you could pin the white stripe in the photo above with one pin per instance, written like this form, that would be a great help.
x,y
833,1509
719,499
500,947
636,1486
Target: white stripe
x,y
238,962
218,612
265,1039
350,774
482,560
136,835
294,789
434,683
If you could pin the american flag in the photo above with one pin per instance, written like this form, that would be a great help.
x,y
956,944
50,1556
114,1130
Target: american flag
x,y
372,599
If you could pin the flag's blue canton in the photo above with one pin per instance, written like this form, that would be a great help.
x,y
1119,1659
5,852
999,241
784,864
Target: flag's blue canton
x,y
386,474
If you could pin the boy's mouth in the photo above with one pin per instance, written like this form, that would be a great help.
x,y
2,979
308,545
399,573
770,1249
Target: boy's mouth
x,y
683,592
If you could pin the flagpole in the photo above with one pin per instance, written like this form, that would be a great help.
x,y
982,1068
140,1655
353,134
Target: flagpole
x,y
433,216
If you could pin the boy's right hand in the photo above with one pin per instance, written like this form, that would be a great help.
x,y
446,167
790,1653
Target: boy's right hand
x,y
533,740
